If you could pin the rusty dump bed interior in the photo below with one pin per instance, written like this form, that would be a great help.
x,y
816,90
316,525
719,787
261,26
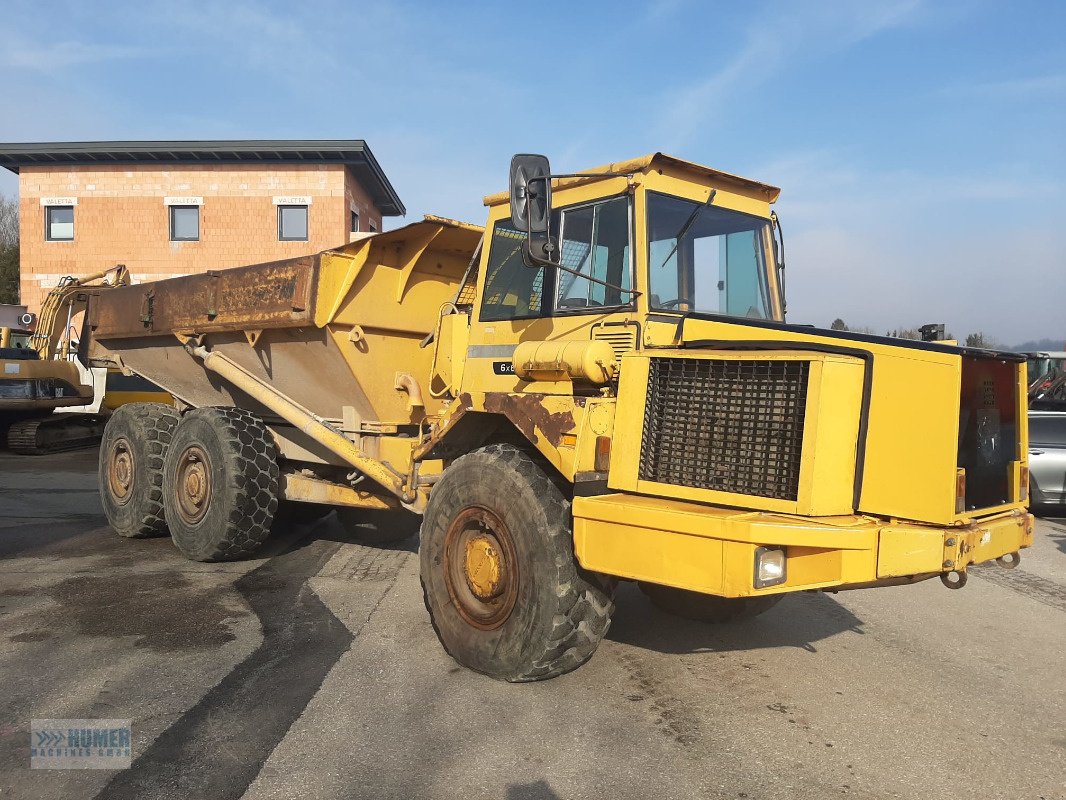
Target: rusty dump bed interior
x,y
331,330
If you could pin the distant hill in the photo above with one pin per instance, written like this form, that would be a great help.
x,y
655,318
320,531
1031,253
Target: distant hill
x,y
1041,344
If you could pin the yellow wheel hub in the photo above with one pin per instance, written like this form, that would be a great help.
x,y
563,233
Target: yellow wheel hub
x,y
483,567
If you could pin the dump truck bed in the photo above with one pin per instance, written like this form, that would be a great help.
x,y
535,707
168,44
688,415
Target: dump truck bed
x,y
331,330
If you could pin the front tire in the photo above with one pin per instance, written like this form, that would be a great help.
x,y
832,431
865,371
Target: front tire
x,y
132,453
221,484
500,579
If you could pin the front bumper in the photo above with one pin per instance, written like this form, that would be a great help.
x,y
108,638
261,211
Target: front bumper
x,y
711,550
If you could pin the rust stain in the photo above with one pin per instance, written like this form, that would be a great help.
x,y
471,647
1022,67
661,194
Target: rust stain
x,y
526,412
530,416
272,295
445,425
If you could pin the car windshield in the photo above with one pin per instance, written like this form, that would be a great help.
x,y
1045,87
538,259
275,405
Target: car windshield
x,y
718,266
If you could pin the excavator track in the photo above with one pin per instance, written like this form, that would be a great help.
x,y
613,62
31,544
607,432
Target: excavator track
x,y
55,433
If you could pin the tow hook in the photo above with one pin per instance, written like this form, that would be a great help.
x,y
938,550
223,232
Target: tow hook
x,y
955,579
1010,560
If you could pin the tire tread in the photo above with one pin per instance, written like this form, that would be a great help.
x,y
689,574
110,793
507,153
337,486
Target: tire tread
x,y
149,426
583,601
252,466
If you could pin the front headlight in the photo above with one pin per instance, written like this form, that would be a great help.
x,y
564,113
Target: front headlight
x,y
770,567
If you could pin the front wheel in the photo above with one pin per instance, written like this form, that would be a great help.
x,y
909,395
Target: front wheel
x,y
501,582
707,607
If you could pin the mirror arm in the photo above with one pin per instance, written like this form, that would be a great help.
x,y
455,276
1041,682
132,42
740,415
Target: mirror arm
x,y
538,261
780,261
544,262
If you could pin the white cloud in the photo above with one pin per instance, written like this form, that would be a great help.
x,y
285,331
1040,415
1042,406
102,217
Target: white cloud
x,y
24,54
894,249
1037,87
773,41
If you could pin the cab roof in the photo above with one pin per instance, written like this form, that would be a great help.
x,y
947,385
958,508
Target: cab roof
x,y
655,161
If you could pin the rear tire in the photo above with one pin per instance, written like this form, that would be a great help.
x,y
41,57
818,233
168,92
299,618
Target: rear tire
x,y
132,453
500,579
706,607
221,479
379,526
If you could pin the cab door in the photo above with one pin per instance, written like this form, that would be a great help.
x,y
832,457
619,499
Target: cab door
x,y
520,303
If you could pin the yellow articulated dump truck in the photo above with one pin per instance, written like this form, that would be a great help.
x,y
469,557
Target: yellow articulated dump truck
x,y
599,385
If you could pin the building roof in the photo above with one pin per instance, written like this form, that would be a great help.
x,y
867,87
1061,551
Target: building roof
x,y
353,153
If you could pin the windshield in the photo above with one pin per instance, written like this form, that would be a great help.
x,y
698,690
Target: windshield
x,y
719,266
19,339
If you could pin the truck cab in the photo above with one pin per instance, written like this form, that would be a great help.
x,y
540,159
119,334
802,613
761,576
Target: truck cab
x,y
663,238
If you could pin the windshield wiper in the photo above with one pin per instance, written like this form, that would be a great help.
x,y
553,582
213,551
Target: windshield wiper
x,y
688,224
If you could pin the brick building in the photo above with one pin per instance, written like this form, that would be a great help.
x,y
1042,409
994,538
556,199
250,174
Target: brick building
x,y
172,208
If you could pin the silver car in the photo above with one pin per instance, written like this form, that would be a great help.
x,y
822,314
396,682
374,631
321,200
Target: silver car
x,y
1047,458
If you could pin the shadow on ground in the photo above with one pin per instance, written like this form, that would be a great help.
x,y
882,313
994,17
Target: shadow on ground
x,y
329,529
539,790
253,707
1058,531
799,620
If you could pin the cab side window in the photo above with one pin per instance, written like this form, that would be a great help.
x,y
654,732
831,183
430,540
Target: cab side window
x,y
595,242
512,290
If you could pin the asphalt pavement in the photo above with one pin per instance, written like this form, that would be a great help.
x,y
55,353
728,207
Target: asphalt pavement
x,y
313,672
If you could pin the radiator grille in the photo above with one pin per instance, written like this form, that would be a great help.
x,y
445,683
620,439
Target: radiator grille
x,y
731,426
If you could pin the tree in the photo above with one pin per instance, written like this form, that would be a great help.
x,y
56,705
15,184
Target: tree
x,y
9,250
904,333
838,325
980,340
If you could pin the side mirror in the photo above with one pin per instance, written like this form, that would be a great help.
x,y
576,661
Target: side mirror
x,y
531,193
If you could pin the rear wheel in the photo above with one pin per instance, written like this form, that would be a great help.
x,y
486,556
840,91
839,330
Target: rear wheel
x,y
503,588
221,484
379,526
706,607
132,453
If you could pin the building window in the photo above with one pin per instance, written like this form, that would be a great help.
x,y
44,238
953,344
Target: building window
x,y
373,227
292,223
355,221
184,223
59,223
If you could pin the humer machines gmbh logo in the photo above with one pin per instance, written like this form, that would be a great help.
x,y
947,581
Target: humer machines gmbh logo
x,y
80,744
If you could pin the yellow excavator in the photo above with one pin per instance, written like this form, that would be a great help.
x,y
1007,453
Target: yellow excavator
x,y
41,373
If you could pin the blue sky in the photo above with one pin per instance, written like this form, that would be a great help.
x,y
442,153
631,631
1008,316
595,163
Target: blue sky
x,y
919,144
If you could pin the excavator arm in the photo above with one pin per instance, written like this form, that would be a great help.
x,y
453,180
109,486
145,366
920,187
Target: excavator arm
x,y
51,339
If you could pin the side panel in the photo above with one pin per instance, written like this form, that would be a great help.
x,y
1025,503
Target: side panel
x,y
833,423
912,439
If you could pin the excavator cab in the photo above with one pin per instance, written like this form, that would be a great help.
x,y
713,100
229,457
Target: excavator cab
x,y
31,389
